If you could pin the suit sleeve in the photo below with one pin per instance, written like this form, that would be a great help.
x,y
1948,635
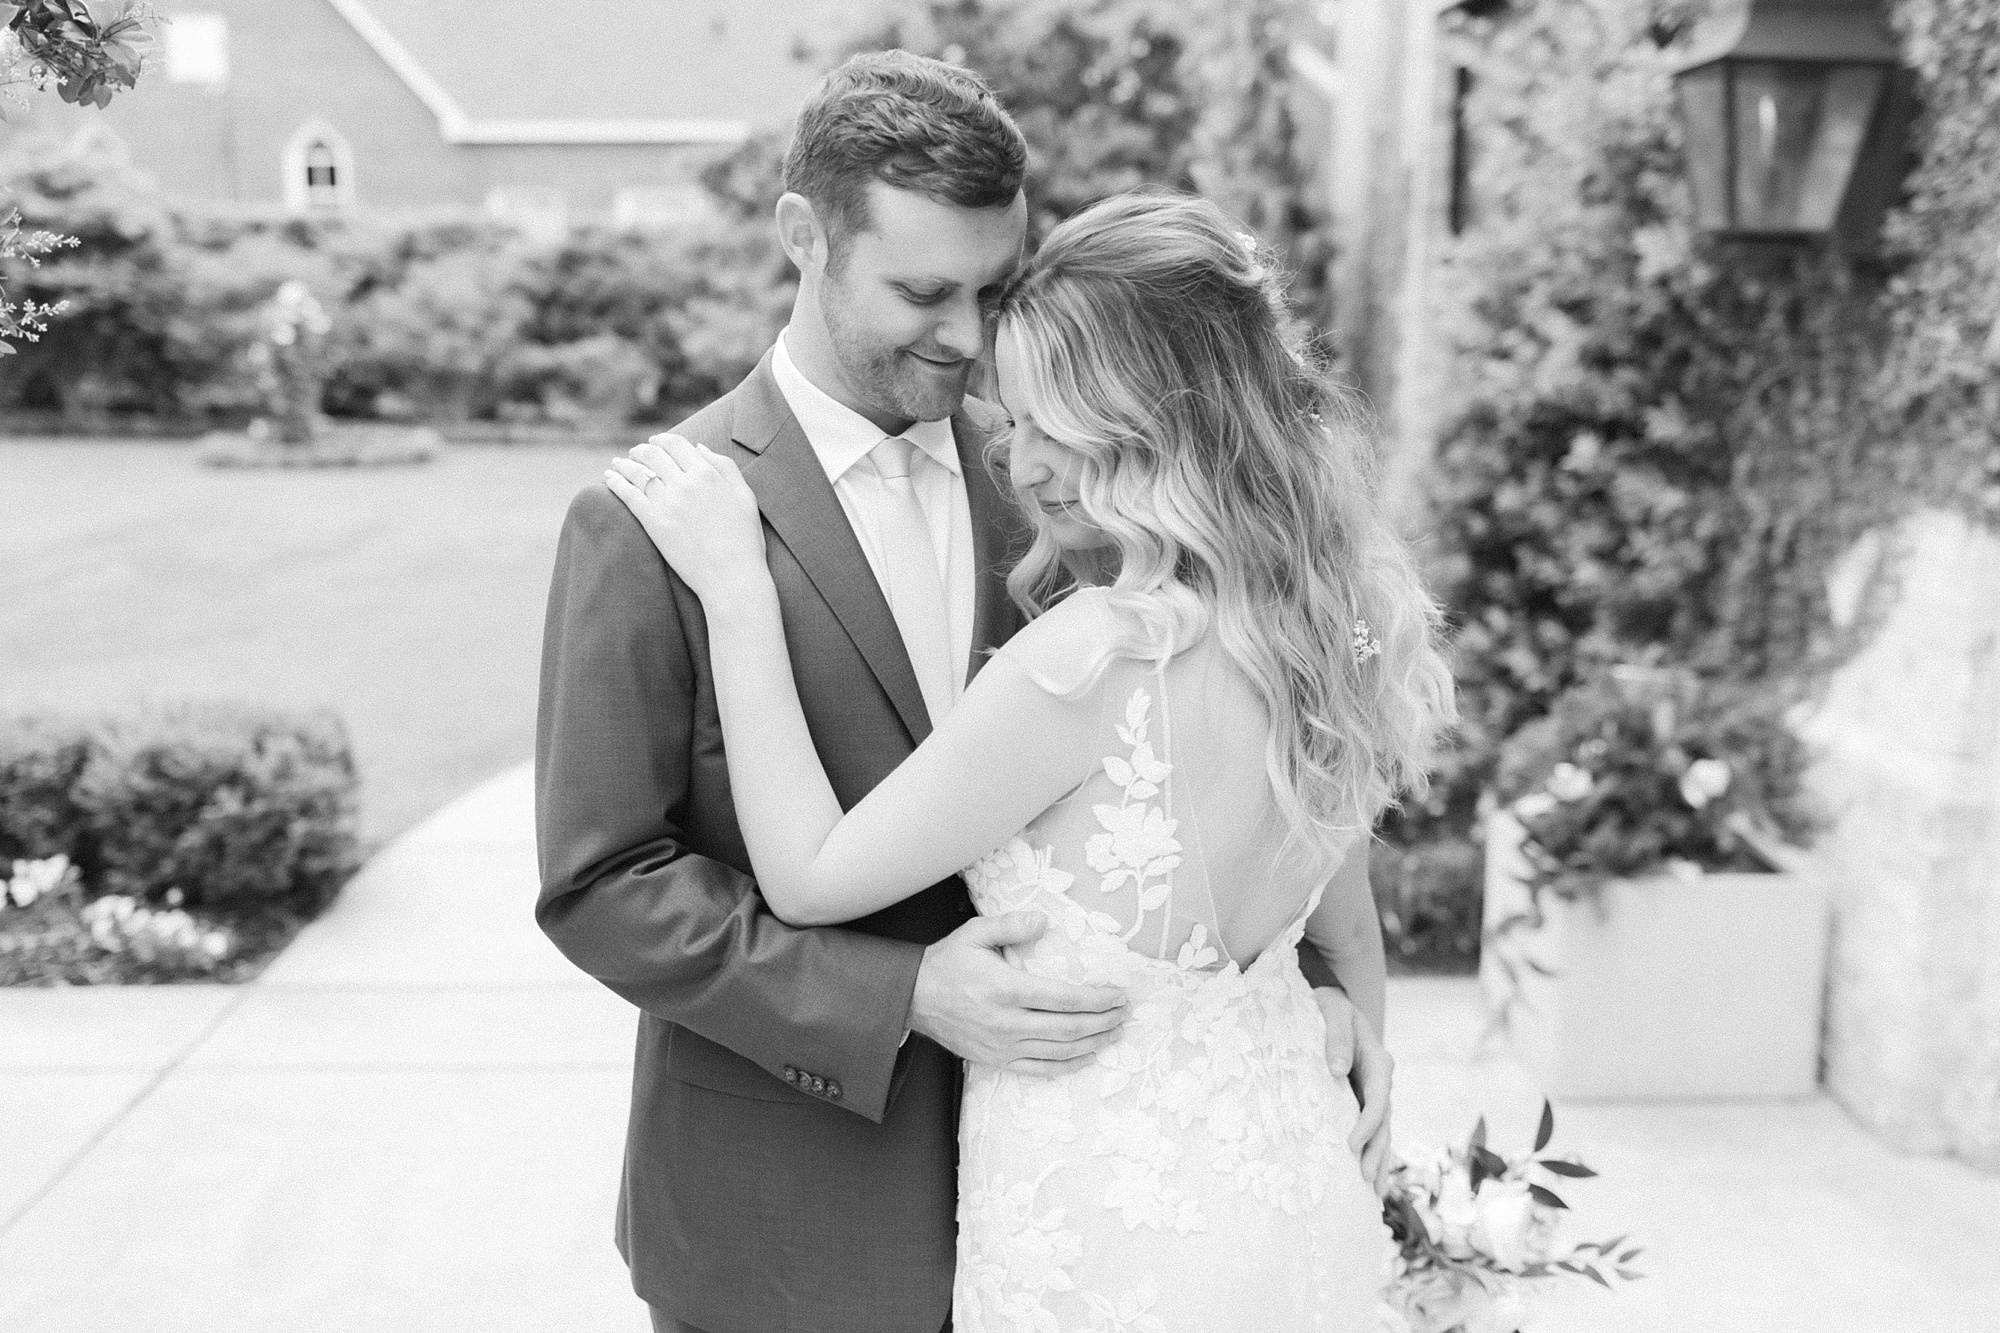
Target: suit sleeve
x,y
684,937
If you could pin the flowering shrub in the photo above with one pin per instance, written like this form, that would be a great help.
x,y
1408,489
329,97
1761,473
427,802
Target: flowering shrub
x,y
1475,1232
1657,444
26,320
164,935
169,843
48,930
451,319
88,55
1643,769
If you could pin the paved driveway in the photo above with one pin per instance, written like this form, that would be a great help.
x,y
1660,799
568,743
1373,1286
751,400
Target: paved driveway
x,y
407,599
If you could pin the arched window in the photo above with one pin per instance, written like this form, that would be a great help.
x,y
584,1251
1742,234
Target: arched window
x,y
318,170
322,176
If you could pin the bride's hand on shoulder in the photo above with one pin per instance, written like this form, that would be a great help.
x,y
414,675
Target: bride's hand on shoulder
x,y
699,512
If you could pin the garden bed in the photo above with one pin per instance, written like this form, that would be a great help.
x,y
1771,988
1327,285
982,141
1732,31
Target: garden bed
x,y
346,444
168,844
52,943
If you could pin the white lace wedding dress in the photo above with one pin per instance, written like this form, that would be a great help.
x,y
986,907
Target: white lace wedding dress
x,y
1195,1177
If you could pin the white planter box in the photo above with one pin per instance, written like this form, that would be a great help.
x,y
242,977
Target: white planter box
x,y
1664,989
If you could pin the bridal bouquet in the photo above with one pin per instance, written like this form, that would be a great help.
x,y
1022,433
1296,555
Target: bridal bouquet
x,y
1477,1232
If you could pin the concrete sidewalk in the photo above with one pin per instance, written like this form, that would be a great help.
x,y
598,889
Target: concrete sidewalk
x,y
413,1121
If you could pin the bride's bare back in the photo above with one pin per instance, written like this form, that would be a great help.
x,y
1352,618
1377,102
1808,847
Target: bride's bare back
x,y
1195,1175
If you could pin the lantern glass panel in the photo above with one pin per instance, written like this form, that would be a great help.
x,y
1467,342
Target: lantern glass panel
x,y
1705,121
1798,131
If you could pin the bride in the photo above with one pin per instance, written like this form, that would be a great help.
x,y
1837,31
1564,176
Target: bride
x,y
1231,669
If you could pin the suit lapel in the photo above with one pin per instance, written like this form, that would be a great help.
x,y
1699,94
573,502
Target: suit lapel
x,y
799,504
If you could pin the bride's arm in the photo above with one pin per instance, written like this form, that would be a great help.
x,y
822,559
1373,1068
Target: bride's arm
x,y
1348,935
1004,754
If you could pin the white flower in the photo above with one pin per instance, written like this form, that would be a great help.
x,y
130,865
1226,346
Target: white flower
x,y
1569,783
1137,838
1504,1212
1456,1214
1682,869
106,919
1704,781
1535,804
32,879
1448,1302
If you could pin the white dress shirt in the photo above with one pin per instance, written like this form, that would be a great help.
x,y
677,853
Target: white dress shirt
x,y
843,439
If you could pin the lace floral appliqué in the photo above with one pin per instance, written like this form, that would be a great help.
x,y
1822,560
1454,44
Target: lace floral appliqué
x,y
1202,1147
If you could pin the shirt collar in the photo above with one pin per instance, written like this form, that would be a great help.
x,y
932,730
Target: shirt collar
x,y
841,436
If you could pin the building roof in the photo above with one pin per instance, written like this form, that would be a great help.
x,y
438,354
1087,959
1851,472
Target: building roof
x,y
599,71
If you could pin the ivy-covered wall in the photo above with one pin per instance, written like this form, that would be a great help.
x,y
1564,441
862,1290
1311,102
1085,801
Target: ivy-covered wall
x,y
1941,379
1658,444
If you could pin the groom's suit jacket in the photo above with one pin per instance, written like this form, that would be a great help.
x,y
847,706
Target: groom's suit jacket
x,y
790,1161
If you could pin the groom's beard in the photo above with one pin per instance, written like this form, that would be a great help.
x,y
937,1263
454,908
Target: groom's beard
x,y
898,380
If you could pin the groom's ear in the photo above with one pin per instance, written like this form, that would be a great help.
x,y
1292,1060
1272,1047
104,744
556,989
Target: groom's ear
x,y
802,234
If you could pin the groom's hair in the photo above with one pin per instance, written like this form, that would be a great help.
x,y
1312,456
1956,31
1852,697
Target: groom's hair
x,y
907,121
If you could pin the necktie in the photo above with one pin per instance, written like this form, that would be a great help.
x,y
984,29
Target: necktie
x,y
915,584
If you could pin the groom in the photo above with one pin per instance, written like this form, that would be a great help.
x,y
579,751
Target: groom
x,y
790,1159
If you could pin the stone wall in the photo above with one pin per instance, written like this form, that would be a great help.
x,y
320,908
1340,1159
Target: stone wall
x,y
1910,768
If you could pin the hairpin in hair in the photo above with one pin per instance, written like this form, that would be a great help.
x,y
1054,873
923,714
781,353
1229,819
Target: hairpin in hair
x,y
1366,645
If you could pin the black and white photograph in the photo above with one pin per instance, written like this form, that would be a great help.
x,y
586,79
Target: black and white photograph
x,y
999,666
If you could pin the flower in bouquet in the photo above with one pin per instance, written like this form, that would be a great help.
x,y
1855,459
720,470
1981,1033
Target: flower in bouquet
x,y
1478,1233
1704,781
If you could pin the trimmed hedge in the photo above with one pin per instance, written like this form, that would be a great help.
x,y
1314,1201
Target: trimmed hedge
x,y
452,318
241,809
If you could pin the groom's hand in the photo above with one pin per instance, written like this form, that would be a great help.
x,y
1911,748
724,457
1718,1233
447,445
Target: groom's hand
x,y
1355,1052
1339,1012
1374,1070
972,1002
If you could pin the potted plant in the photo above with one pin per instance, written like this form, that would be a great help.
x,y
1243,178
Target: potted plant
x,y
1650,928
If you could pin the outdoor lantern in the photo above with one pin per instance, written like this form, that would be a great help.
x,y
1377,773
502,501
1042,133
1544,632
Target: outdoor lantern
x,y
1777,99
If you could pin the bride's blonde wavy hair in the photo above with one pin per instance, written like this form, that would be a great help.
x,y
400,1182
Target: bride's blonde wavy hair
x,y
1236,483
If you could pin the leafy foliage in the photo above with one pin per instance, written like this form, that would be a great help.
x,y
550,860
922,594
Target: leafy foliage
x,y
1635,770
1475,1233
88,56
1113,94
228,806
453,319
152,319
1941,383
26,320
89,52
189,842
1661,442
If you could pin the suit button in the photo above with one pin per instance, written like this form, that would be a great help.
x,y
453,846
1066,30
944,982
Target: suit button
x,y
818,1084
791,1074
833,1090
